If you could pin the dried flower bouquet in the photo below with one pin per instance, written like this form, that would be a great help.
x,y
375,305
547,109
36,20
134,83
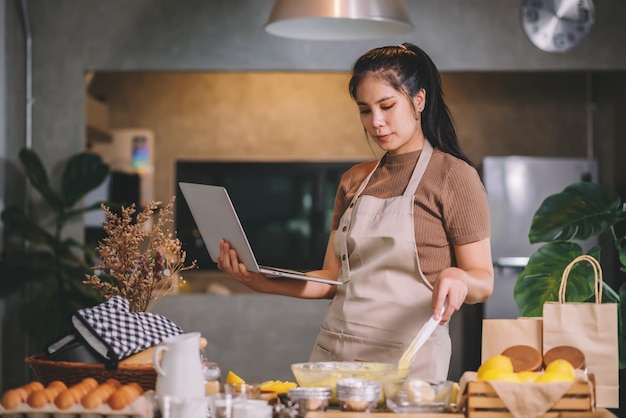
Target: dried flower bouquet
x,y
138,261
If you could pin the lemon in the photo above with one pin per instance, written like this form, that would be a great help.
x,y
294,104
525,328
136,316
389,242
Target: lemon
x,y
554,376
498,362
277,386
498,374
527,376
561,366
231,377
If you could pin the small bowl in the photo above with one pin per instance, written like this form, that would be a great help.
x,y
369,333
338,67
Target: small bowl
x,y
416,396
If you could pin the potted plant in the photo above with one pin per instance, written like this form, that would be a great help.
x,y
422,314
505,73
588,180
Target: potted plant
x,y
37,253
581,211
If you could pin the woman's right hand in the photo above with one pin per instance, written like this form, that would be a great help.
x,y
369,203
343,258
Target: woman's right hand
x,y
228,262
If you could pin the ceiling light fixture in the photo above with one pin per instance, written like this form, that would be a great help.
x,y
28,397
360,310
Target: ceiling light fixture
x,y
338,20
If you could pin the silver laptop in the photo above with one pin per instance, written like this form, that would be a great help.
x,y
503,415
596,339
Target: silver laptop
x,y
216,218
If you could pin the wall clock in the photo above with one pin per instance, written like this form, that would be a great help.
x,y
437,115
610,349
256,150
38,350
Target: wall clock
x,y
557,25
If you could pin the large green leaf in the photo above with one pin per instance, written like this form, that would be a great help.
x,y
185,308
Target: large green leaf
x,y
30,230
581,211
36,173
539,282
83,173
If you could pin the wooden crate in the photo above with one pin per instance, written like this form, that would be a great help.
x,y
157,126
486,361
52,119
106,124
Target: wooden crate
x,y
483,402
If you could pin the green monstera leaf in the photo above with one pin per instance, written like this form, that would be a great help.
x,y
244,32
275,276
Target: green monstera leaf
x,y
581,211
540,281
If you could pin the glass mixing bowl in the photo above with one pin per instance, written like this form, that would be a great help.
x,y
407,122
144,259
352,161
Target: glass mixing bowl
x,y
326,373
416,396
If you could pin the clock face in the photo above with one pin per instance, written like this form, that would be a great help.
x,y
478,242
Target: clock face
x,y
557,25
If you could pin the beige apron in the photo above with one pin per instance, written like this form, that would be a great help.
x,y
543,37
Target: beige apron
x,y
385,298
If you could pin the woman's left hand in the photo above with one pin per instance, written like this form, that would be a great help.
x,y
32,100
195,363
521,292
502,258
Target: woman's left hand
x,y
451,287
470,282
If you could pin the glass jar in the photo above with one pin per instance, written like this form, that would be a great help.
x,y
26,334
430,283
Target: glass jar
x,y
358,395
212,377
309,399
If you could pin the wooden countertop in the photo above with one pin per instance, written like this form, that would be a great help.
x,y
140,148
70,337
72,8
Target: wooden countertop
x,y
600,413
339,414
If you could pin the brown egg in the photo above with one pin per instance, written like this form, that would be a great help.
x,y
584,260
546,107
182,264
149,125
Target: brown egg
x,y
66,399
125,396
31,387
99,395
38,398
114,382
11,399
57,384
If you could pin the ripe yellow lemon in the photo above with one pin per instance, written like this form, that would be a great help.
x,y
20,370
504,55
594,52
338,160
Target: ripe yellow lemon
x,y
527,376
498,374
498,362
561,366
552,377
277,386
233,378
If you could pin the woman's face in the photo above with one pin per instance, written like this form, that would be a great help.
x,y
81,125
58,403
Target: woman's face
x,y
388,117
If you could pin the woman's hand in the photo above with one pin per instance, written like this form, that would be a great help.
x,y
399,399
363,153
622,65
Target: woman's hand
x,y
451,287
470,282
228,262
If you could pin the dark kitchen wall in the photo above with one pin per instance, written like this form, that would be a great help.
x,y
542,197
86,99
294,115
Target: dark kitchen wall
x,y
309,115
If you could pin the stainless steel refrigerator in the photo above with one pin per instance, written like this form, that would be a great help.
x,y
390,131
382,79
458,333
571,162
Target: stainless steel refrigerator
x,y
516,186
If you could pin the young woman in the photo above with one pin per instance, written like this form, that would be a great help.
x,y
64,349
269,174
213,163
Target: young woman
x,y
410,232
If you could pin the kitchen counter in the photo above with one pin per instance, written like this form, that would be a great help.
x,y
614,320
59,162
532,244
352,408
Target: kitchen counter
x,y
600,413
339,414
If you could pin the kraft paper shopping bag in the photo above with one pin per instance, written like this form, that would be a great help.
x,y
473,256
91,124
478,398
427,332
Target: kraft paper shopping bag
x,y
499,334
590,327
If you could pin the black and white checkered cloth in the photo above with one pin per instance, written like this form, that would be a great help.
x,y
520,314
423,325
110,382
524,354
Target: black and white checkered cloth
x,y
116,333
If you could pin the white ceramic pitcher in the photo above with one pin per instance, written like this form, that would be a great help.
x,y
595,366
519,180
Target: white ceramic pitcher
x,y
179,374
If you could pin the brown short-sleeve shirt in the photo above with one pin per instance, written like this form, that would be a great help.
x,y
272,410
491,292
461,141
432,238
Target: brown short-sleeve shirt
x,y
450,203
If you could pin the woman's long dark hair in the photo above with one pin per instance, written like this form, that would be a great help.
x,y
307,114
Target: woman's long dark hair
x,y
408,69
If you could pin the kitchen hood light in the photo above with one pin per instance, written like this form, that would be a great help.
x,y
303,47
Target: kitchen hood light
x,y
338,20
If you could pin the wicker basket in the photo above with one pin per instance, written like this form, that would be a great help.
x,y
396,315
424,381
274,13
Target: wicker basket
x,y
71,373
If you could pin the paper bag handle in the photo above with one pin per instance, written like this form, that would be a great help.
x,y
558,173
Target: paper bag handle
x,y
597,277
